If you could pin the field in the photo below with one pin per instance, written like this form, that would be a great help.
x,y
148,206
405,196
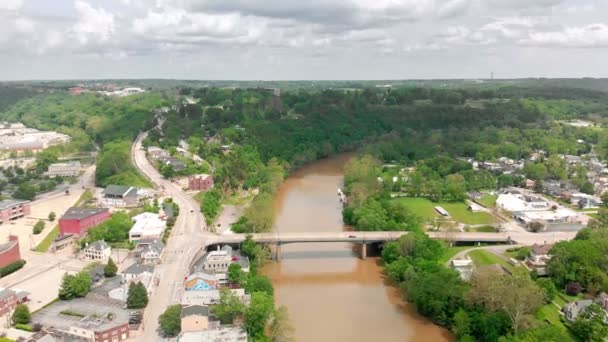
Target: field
x,y
45,244
488,200
482,229
482,257
458,211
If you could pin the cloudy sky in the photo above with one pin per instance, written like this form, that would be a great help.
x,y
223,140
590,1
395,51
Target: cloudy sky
x,y
302,39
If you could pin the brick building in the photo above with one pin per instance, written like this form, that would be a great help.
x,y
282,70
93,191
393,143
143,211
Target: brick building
x,y
64,169
78,221
202,182
10,298
13,209
9,252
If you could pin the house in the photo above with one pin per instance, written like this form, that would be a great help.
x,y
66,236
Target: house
x,y
147,226
221,333
9,251
195,318
529,184
202,182
218,261
97,273
78,221
585,201
10,298
13,209
120,196
150,251
138,272
71,169
175,163
157,152
201,281
538,258
575,308
464,268
97,251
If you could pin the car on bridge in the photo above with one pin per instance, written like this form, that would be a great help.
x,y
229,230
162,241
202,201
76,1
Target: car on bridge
x,y
352,237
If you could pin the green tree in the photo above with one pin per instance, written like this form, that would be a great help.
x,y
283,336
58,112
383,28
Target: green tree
x,y
170,321
110,269
461,324
590,326
75,286
167,171
257,314
25,191
548,287
137,297
281,329
45,158
587,187
21,315
38,227
259,283
52,216
229,307
235,273
535,171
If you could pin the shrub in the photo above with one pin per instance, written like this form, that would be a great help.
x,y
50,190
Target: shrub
x,y
25,327
38,227
52,216
21,315
573,289
10,268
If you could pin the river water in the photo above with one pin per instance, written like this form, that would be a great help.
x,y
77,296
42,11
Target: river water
x,y
331,294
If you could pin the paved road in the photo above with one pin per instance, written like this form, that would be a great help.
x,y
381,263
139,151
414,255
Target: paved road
x,y
187,237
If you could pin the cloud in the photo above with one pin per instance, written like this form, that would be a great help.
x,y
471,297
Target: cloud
x,y
589,36
93,25
453,8
10,5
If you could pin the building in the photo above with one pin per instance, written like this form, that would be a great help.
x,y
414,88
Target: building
x,y
9,251
71,169
517,201
78,221
13,209
575,308
138,273
62,242
464,268
218,261
157,152
96,251
202,182
584,201
147,226
195,318
221,333
441,211
211,297
10,298
538,258
150,251
120,196
202,281
175,163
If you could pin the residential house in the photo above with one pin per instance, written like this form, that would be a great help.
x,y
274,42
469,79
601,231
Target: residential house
x,y
97,251
13,209
78,221
9,251
157,152
529,183
120,196
150,251
195,318
575,308
10,298
202,182
71,169
138,273
218,261
585,201
538,258
147,226
175,163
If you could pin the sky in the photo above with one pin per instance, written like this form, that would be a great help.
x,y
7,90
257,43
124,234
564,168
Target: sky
x,y
302,39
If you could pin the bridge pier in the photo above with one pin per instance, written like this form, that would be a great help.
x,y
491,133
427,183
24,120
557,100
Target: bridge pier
x,y
363,251
277,253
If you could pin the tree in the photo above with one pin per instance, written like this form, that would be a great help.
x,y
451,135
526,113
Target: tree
x,y
536,226
38,227
281,329
589,326
461,324
587,188
535,171
258,313
235,273
167,171
52,216
170,321
110,269
229,308
259,283
549,288
524,298
25,191
75,286
137,297
21,315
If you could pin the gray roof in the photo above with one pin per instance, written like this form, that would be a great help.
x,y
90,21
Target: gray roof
x,y
9,203
76,213
8,245
199,310
139,269
120,191
98,245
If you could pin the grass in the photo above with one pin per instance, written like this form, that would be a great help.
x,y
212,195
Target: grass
x,y
550,313
86,196
483,229
46,243
72,313
237,200
199,196
482,257
451,251
488,200
457,210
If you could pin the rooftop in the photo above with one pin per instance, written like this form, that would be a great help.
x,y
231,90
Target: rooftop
x,y
9,203
98,245
76,213
222,334
541,249
120,190
199,310
139,269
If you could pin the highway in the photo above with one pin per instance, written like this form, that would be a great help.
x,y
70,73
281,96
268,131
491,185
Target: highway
x,y
187,237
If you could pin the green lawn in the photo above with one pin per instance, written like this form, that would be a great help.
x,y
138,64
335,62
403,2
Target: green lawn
x,y
483,229
451,251
482,257
550,312
199,196
488,200
45,244
457,210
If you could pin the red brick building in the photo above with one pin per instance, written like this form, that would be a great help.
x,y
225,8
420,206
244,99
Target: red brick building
x,y
11,298
78,221
13,209
201,182
9,252
116,333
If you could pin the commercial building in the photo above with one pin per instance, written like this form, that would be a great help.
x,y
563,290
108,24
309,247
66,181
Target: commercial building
x,y
138,273
211,297
78,221
13,209
9,251
10,298
97,251
120,196
71,169
62,242
202,281
150,251
514,200
147,226
202,182
218,261
195,318
221,333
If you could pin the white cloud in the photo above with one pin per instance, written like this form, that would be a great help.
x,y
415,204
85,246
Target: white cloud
x,y
453,8
589,36
93,25
10,5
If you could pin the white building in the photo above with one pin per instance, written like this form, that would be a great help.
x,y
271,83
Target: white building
x,y
147,226
464,268
218,261
71,169
96,251
520,202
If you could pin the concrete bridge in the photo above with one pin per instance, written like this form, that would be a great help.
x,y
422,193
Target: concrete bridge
x,y
363,238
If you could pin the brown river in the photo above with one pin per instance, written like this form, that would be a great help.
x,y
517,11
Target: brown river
x,y
331,294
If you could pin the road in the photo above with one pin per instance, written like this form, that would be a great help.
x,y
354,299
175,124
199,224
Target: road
x,y
187,237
